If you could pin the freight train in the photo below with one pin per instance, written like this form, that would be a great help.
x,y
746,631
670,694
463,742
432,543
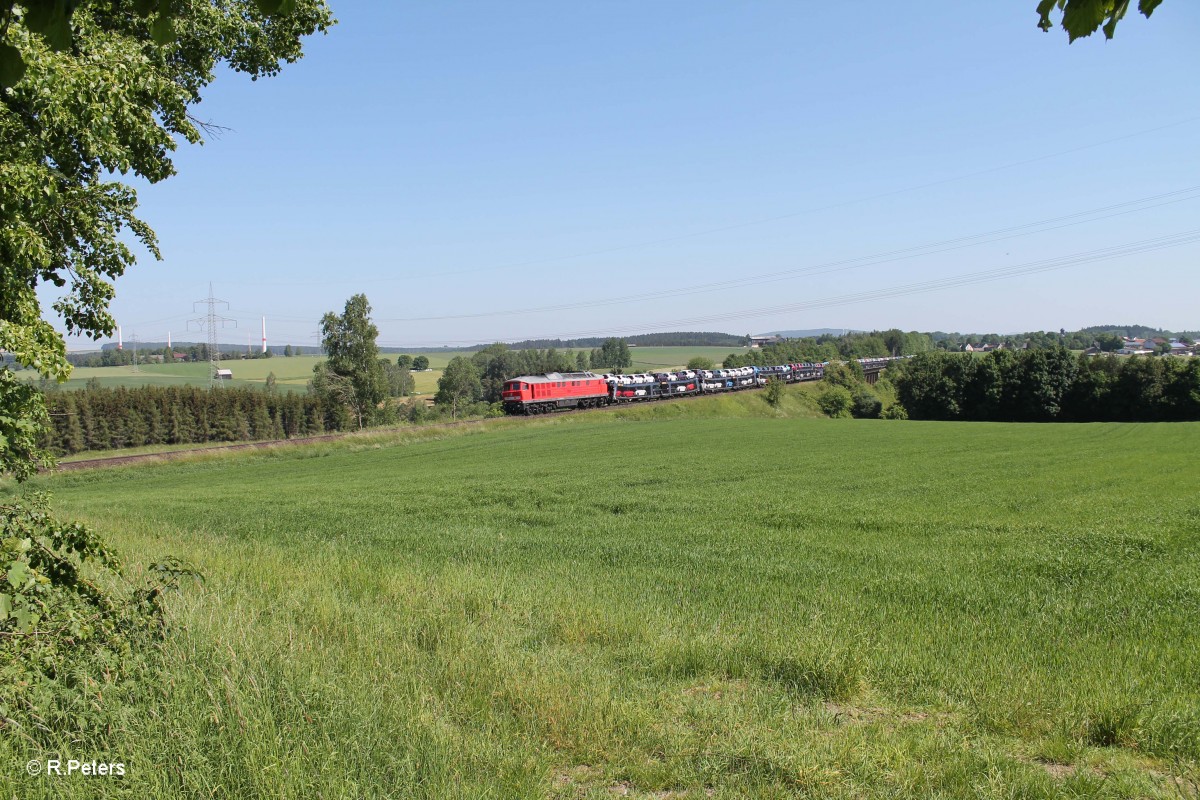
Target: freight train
x,y
542,394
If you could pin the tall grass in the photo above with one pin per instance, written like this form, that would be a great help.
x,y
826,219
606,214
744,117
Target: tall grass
x,y
619,604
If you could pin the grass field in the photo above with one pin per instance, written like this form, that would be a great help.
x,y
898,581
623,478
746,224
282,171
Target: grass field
x,y
295,372
624,604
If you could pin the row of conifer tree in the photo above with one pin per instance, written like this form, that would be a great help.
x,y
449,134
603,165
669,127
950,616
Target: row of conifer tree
x,y
108,419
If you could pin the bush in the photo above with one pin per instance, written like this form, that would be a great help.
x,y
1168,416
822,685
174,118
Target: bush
x,y
866,405
847,374
835,401
774,392
72,628
700,362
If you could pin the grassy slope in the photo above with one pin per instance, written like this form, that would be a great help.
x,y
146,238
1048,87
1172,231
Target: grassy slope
x,y
757,607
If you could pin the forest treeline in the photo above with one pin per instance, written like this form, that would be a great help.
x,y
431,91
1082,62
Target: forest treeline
x,y
1051,385
110,419
832,347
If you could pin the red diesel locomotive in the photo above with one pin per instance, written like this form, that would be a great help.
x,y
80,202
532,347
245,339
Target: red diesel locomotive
x,y
541,394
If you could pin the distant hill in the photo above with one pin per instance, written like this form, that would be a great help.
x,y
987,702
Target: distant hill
x,y
673,339
1138,331
810,333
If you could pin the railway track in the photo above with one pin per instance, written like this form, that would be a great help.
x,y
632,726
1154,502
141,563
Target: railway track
x,y
175,455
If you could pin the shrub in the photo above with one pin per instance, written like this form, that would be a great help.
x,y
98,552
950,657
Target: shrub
x,y
774,392
71,626
866,405
835,401
700,362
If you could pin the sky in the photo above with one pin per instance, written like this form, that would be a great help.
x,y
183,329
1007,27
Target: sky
x,y
495,172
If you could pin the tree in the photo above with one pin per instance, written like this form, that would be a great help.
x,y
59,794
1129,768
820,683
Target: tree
x,y
287,351
894,340
92,93
700,362
89,90
351,374
271,382
420,363
495,364
1083,17
399,381
614,354
404,362
458,385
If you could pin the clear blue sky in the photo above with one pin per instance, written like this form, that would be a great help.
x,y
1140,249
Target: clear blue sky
x,y
460,159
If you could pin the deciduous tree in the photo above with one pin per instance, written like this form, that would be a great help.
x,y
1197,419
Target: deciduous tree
x,y
351,373
459,385
97,89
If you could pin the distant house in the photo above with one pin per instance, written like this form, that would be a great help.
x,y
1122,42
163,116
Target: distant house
x,y
763,341
224,374
180,356
1092,351
968,348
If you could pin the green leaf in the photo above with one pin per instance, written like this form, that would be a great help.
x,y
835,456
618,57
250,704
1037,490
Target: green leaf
x,y
162,30
52,19
18,574
1043,9
12,66
1147,7
24,618
1114,17
5,606
275,8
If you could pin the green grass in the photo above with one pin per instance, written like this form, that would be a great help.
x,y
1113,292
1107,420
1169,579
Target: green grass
x,y
712,604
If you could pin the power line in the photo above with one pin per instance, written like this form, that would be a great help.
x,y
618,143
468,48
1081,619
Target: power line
x,y
762,221
984,276
877,259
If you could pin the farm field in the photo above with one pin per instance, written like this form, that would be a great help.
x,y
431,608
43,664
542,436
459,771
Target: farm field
x,y
657,359
619,604
290,373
